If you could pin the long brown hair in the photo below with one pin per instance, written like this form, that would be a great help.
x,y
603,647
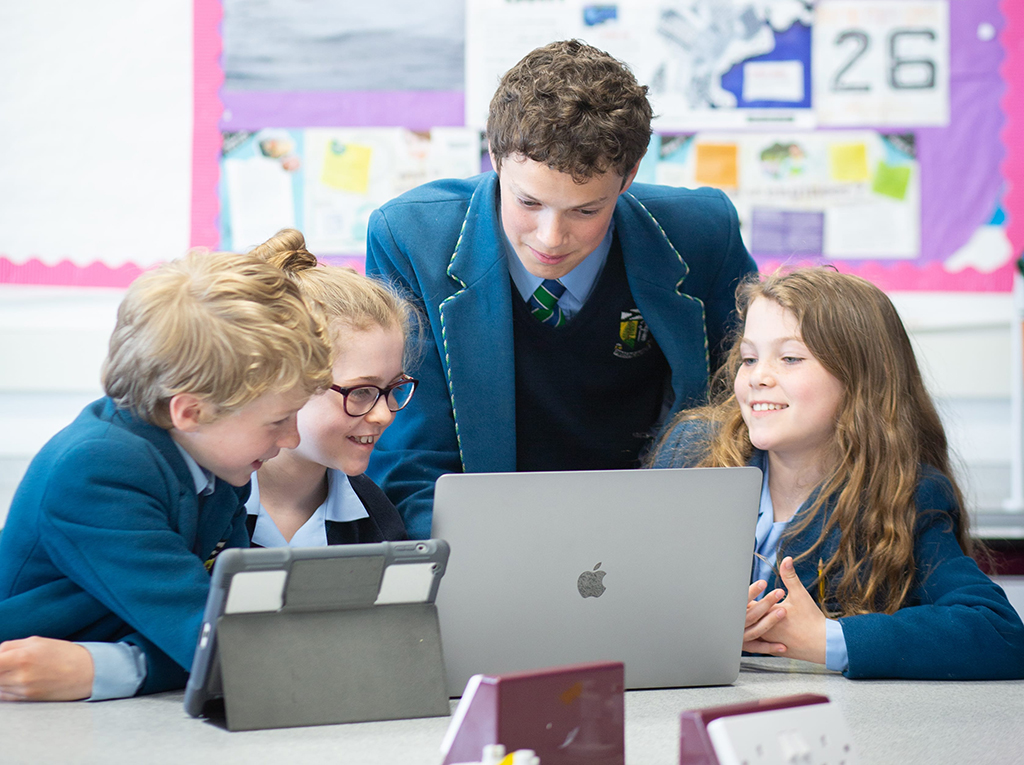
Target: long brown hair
x,y
886,429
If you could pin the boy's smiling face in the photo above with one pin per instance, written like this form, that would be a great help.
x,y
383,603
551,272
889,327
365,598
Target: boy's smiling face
x,y
553,222
232,446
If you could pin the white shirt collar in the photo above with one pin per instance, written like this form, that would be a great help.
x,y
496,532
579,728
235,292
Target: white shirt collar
x,y
342,505
204,480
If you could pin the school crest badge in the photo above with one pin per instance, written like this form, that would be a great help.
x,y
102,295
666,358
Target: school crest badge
x,y
634,335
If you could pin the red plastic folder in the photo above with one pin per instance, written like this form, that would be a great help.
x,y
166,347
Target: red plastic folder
x,y
568,715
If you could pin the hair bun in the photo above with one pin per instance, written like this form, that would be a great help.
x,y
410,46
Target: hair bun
x,y
294,261
286,250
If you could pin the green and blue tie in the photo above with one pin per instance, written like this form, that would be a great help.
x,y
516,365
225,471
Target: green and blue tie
x,y
543,303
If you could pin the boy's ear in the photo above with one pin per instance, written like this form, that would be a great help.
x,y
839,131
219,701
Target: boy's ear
x,y
628,180
187,412
490,153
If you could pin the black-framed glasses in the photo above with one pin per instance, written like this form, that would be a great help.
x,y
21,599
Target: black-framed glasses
x,y
360,399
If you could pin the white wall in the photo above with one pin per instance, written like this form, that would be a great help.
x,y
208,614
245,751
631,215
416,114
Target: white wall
x,y
52,343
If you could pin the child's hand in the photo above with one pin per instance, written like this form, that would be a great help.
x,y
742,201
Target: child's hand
x,y
762,615
802,631
43,669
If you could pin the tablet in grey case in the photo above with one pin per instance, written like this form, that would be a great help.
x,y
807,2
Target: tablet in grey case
x,y
318,635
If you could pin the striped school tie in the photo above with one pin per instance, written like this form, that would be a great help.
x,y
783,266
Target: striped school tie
x,y
543,303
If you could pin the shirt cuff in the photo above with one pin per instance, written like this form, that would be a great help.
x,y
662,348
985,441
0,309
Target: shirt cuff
x,y
119,670
836,657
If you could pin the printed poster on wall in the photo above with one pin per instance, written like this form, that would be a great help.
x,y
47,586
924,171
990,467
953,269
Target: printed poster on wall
x,y
708,63
327,181
830,194
865,133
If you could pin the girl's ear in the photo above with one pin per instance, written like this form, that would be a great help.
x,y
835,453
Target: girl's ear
x,y
187,412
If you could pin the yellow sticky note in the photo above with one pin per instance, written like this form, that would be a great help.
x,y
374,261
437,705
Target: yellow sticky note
x,y
347,166
717,165
848,162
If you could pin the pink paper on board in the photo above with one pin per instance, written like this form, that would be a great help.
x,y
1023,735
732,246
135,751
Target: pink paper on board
x,y
206,109
1012,168
907,276
67,274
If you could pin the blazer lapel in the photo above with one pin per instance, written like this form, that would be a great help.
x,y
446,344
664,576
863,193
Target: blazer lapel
x,y
655,269
476,326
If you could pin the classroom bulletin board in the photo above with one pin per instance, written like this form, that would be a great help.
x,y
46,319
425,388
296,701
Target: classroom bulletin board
x,y
883,136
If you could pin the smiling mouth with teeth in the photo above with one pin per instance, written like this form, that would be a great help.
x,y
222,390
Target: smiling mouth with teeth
x,y
363,439
768,407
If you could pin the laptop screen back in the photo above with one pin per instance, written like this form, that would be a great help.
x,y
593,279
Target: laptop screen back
x,y
647,567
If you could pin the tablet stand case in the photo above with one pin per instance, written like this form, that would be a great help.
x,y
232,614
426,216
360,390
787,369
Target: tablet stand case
x,y
331,655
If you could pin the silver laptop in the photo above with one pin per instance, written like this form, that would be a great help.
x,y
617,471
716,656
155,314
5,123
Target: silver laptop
x,y
647,567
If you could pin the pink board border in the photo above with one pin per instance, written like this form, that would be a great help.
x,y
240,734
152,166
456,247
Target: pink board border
x,y
1012,72
207,109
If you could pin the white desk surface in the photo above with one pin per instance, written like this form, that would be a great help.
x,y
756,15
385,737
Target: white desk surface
x,y
891,721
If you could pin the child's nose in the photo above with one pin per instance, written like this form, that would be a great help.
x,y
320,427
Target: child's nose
x,y
761,375
380,414
290,437
551,230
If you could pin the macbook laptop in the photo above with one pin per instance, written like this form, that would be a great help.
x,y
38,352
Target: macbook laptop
x,y
646,567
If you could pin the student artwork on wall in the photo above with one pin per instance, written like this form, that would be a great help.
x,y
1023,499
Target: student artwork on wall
x,y
327,181
885,136
865,133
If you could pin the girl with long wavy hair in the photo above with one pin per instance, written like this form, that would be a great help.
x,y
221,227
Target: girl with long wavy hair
x,y
862,528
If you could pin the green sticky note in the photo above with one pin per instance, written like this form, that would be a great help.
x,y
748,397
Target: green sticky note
x,y
891,180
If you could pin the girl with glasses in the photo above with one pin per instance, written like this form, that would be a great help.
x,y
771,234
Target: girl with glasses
x,y
862,543
316,493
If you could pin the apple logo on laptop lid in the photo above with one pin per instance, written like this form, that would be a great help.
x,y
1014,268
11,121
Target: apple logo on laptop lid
x,y
589,583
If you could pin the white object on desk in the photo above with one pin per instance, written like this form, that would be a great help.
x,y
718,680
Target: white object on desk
x,y
494,754
816,733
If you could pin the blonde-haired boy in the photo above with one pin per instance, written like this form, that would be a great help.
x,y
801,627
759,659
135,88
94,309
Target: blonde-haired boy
x,y
118,518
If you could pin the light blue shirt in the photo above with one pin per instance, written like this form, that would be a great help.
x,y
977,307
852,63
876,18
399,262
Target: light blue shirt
x,y
342,504
204,480
766,543
578,283
119,669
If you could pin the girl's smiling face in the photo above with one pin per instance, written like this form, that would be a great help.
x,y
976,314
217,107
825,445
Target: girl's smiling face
x,y
788,400
332,438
